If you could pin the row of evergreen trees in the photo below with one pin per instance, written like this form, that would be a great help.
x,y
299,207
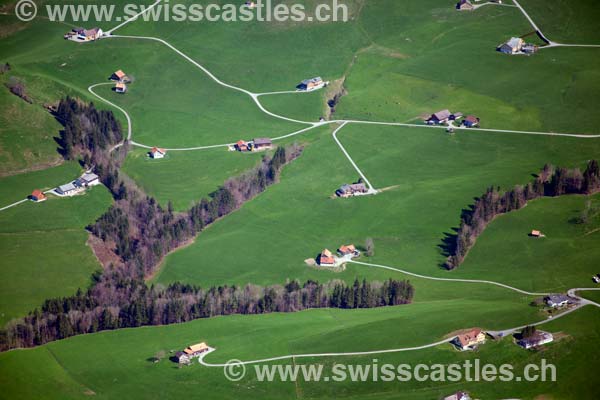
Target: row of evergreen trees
x,y
550,182
121,302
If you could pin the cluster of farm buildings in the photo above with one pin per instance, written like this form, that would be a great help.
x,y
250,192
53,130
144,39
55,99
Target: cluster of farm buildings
x,y
514,45
257,144
77,186
84,35
473,338
346,252
446,117
121,80
517,45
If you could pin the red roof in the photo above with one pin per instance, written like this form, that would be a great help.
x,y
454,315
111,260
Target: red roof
x,y
347,249
472,119
469,337
157,149
38,194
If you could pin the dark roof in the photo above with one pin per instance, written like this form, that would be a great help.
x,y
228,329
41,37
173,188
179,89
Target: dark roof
x,y
262,142
441,115
557,298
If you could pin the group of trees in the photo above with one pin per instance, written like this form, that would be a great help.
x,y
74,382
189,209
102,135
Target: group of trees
x,y
16,86
140,231
118,301
550,182
87,132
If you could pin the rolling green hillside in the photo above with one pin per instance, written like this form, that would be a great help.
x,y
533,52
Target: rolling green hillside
x,y
393,61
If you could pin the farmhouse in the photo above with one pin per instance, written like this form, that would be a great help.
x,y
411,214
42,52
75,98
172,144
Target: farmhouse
x,y
241,146
529,48
308,85
539,338
120,87
68,189
88,179
536,234
120,76
458,396
440,117
465,5
326,259
557,300
355,189
471,121
348,250
261,144
87,35
37,196
157,153
470,339
513,46
182,358
193,351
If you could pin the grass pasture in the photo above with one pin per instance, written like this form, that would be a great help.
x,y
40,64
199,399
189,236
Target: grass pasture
x,y
185,177
566,257
421,203
399,60
121,359
44,250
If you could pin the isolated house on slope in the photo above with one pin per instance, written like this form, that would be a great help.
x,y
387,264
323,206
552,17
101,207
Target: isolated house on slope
x,y
120,87
37,196
440,117
347,250
471,121
539,338
157,153
120,76
356,189
458,396
465,5
557,300
513,46
241,146
470,339
308,85
326,259
89,34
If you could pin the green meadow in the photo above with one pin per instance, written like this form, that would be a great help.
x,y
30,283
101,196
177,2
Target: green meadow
x,y
26,134
427,178
122,359
17,187
196,173
565,258
398,61
44,251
